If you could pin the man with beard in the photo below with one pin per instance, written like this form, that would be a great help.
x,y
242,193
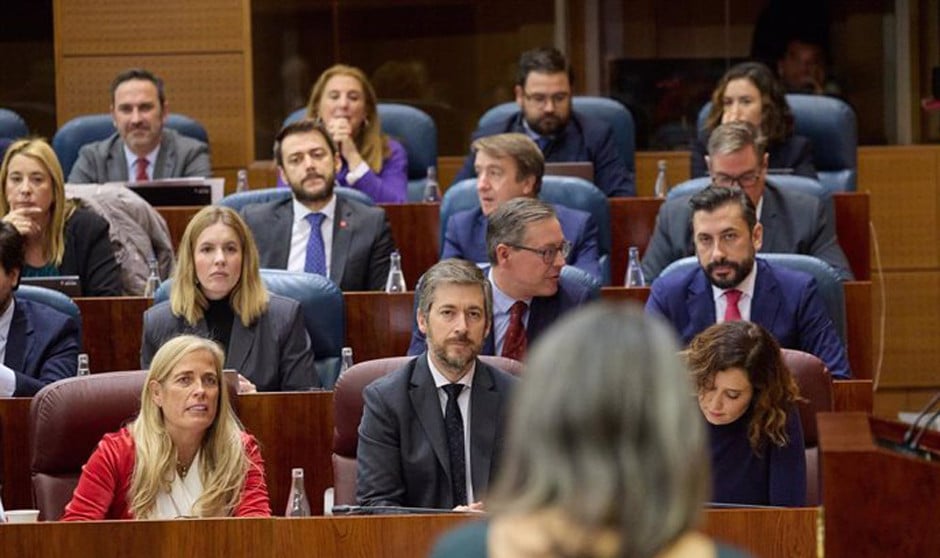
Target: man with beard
x,y
431,432
315,230
141,149
728,285
543,93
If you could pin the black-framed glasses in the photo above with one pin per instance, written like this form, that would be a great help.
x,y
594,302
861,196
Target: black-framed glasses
x,y
549,254
745,180
541,99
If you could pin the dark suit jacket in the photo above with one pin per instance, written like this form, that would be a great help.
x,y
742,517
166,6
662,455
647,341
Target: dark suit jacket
x,y
794,223
274,352
362,241
42,346
402,456
795,153
104,161
583,139
466,237
88,254
785,303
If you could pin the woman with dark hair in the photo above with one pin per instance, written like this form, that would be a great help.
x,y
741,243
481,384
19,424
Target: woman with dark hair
x,y
750,92
748,398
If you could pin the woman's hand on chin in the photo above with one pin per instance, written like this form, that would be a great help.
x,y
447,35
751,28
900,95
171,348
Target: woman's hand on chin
x,y
25,220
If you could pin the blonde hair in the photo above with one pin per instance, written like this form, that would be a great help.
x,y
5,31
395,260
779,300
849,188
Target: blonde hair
x,y
39,150
248,298
223,461
371,142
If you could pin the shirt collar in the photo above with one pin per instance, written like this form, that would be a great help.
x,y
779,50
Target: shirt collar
x,y
440,380
151,157
746,286
301,211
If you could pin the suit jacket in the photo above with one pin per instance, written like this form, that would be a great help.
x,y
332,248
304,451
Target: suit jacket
x,y
466,237
104,161
795,153
785,303
402,457
543,311
42,346
274,352
794,223
583,139
362,241
88,254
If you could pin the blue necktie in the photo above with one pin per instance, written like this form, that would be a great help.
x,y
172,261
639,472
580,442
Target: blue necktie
x,y
543,142
316,255
453,423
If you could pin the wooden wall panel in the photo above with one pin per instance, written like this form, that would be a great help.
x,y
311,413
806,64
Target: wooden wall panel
x,y
912,350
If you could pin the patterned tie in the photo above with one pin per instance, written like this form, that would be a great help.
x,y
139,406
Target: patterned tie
x,y
316,254
514,342
732,313
141,164
453,423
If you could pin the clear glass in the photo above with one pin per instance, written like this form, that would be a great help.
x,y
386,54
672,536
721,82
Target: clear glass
x,y
432,189
634,276
242,183
153,280
396,278
347,359
297,503
83,368
662,186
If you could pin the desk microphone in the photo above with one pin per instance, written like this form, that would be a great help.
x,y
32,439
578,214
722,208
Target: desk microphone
x,y
913,429
915,443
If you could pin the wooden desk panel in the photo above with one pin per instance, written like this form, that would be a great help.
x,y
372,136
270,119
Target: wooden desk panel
x,y
14,452
111,331
378,325
177,218
416,229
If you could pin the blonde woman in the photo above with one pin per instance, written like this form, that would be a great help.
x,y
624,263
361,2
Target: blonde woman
x,y
185,455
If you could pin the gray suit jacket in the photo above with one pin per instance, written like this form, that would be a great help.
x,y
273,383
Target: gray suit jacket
x,y
274,352
402,456
362,241
794,223
104,161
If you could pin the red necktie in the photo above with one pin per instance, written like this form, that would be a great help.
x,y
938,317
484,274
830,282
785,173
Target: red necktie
x,y
732,313
141,164
514,342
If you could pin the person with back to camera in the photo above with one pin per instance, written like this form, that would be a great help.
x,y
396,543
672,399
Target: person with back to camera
x,y
748,398
218,293
605,455
185,455
750,92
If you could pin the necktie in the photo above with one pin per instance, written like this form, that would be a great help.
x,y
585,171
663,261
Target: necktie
x,y
453,422
732,313
514,343
316,254
543,142
141,164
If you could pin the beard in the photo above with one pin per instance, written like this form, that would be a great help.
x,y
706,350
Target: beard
x,y
740,270
322,194
456,363
547,125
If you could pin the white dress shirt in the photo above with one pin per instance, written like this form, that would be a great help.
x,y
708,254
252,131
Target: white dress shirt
x,y
502,303
131,159
463,401
179,501
300,233
744,303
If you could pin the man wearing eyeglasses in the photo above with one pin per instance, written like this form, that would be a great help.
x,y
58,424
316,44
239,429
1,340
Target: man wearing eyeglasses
x,y
526,250
793,222
543,92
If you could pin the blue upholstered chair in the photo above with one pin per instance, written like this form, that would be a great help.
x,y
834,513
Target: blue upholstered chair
x,y
827,280
12,125
75,133
324,314
239,200
417,133
52,298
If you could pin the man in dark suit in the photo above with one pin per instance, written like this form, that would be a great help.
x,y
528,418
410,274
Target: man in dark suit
x,y
543,92
509,166
793,222
431,432
315,230
526,250
38,344
729,285
141,149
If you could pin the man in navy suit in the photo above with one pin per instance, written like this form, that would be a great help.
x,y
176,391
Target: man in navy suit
x,y
729,285
526,250
38,344
509,166
543,92
431,432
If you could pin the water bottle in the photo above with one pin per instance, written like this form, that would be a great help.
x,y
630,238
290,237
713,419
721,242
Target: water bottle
x,y
661,187
153,280
634,276
241,185
83,369
396,279
347,360
297,504
432,190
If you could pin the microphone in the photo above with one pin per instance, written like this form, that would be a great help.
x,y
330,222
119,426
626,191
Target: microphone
x,y
915,443
912,430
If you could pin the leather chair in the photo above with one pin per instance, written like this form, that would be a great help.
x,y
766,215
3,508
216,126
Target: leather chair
x,y
324,314
417,133
815,386
239,200
12,125
69,139
347,414
568,191
599,108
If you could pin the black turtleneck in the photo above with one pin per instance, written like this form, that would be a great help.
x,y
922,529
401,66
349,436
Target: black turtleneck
x,y
219,318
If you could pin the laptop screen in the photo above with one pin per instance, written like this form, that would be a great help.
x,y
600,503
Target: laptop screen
x,y
68,285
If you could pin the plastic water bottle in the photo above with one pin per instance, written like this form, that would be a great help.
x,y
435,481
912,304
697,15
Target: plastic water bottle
x,y
297,503
347,360
241,185
396,278
432,190
634,276
662,186
83,369
153,280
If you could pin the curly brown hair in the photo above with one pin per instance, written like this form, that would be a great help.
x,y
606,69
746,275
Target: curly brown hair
x,y
776,119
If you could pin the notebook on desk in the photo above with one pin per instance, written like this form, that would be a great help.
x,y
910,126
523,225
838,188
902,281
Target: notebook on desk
x,y
68,285
577,169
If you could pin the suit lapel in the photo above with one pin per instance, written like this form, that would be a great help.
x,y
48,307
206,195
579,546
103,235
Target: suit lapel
x,y
117,163
770,219
166,158
277,237
19,340
542,310
427,407
767,297
484,403
343,228
700,303
240,345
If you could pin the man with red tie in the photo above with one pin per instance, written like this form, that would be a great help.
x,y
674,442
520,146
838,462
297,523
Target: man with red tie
x,y
731,284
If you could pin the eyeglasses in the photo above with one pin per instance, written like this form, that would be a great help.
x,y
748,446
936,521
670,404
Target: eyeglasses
x,y
745,180
548,254
541,99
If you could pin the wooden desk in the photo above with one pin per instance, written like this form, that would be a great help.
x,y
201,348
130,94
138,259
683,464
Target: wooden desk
x,y
177,218
111,331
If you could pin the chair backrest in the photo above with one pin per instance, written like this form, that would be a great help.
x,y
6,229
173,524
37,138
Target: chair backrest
x,y
52,298
815,386
347,414
12,125
75,133
324,314
831,126
239,200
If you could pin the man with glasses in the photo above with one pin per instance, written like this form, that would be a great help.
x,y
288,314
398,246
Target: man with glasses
x,y
526,249
543,92
793,222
